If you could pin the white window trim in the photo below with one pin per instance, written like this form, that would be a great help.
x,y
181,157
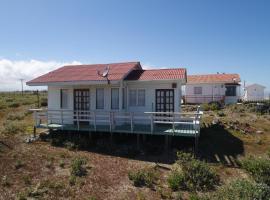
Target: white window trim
x,y
137,97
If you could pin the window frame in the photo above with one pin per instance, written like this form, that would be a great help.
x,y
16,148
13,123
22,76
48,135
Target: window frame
x,y
61,99
136,97
118,98
195,90
103,104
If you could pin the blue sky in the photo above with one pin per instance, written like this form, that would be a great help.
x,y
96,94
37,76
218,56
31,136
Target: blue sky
x,y
205,36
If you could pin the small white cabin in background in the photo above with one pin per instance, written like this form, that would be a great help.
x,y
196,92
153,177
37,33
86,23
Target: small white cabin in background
x,y
224,88
254,92
126,87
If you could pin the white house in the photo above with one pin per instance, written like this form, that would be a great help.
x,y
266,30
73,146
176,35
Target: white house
x,y
224,88
116,97
126,87
254,92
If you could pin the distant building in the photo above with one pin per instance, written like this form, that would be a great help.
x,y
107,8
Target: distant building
x,y
224,88
254,92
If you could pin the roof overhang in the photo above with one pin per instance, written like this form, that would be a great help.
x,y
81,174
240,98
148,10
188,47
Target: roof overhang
x,y
101,82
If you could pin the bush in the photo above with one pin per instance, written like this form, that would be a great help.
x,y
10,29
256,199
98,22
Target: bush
x,y
198,175
195,175
3,105
143,177
14,105
77,167
211,106
259,168
14,127
175,180
44,102
72,180
241,190
18,164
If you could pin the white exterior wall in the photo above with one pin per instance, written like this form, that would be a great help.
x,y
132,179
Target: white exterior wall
x,y
150,94
254,93
210,92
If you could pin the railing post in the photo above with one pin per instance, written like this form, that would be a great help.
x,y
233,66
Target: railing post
x,y
95,122
62,121
78,123
110,116
173,124
131,122
152,123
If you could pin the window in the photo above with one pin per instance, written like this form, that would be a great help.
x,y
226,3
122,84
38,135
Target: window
x,y
132,97
197,90
230,91
137,97
115,98
141,97
64,98
100,98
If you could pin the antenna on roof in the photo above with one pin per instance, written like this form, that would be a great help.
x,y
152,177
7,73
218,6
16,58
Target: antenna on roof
x,y
105,73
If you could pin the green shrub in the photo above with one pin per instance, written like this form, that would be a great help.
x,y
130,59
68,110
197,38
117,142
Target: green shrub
x,y
259,168
62,164
26,179
221,114
241,190
143,177
14,127
77,167
3,105
211,106
14,105
175,180
197,175
183,157
18,164
72,180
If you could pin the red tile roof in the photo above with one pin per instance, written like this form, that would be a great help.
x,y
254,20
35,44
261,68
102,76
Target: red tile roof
x,y
72,73
213,78
158,74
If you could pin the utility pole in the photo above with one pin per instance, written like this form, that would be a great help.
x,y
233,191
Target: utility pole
x,y
22,84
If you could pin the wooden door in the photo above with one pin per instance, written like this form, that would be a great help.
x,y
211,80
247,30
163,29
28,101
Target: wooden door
x,y
81,102
164,100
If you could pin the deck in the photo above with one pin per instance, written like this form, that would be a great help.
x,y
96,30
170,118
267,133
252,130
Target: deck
x,y
154,123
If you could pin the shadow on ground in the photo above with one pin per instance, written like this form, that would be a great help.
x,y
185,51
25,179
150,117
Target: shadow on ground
x,y
215,145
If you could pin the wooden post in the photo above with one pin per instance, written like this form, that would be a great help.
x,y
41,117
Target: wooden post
x,y
110,117
152,123
166,143
78,123
196,145
95,122
144,138
138,141
131,122
62,120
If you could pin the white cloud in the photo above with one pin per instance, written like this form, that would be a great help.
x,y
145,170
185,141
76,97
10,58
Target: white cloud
x,y
11,71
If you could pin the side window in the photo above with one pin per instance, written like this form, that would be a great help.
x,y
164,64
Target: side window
x,y
230,91
141,97
197,90
64,98
132,97
115,98
100,98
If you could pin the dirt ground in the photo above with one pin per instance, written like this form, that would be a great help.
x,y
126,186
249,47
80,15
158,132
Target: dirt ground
x,y
39,170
